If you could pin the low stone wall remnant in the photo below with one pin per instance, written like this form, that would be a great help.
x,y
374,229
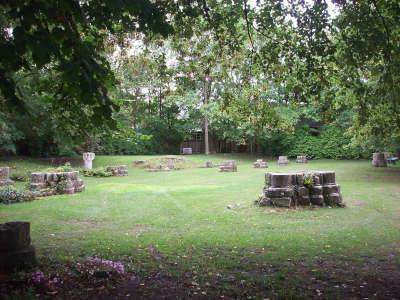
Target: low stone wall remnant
x,y
228,166
302,188
301,159
46,184
121,170
16,251
139,162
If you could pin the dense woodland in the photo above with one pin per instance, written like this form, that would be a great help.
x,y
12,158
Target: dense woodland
x,y
137,77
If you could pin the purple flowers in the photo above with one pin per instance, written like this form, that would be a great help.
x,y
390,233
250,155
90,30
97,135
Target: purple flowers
x,y
38,277
94,264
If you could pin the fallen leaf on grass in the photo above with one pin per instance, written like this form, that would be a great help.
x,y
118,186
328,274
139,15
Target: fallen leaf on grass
x,y
153,252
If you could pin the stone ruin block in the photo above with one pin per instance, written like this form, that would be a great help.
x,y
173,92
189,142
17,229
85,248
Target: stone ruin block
x,y
283,160
301,159
5,176
228,166
209,164
187,151
16,251
139,162
305,189
162,168
51,183
379,160
121,170
259,163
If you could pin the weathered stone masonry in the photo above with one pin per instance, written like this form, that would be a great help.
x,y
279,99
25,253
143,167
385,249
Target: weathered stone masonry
x,y
121,170
5,176
46,184
16,251
303,188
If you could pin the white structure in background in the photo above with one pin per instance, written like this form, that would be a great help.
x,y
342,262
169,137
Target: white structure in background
x,y
87,159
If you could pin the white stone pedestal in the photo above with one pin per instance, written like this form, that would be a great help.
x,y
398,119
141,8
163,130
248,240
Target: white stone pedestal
x,y
88,159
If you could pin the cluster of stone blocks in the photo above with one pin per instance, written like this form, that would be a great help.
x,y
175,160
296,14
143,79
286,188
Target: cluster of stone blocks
x,y
228,166
259,163
46,184
5,176
292,189
301,159
283,160
121,170
379,159
16,251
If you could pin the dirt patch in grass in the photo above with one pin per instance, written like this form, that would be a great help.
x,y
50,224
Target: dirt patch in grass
x,y
85,222
358,203
138,229
369,277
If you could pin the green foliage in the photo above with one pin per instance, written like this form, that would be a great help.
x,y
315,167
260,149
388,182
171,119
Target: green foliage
x,y
308,181
23,176
97,172
10,195
65,168
60,185
247,72
8,134
332,142
189,209
68,36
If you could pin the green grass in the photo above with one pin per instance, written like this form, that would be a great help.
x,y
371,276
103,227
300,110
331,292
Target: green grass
x,y
184,214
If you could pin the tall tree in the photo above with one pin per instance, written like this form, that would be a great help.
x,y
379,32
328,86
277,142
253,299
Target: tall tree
x,y
68,36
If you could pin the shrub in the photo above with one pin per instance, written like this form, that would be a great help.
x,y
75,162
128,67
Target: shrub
x,y
332,142
98,172
10,195
23,176
65,168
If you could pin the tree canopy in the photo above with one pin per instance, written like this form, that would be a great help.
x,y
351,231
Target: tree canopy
x,y
141,75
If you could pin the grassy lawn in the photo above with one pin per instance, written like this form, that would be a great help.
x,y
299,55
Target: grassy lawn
x,y
239,251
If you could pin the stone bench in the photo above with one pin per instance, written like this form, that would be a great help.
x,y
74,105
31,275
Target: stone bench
x,y
390,158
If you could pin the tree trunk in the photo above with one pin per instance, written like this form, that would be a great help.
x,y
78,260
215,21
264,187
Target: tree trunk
x,y
206,145
206,95
160,96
